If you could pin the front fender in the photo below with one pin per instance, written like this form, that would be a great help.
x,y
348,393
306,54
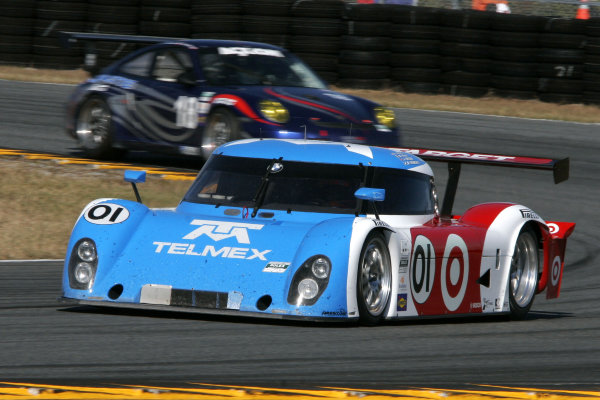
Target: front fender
x,y
109,223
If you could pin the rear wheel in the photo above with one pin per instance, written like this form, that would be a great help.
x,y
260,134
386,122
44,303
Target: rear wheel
x,y
523,276
222,127
94,128
374,280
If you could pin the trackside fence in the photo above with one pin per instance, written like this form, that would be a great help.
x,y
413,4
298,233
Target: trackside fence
x,y
374,46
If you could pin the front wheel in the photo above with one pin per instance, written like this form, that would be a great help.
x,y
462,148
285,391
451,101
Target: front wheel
x,y
374,280
94,128
222,127
523,276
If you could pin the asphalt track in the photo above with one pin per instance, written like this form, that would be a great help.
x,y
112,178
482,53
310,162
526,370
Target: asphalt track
x,y
557,347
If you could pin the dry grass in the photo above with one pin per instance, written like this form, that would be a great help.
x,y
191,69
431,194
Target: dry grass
x,y
41,200
487,105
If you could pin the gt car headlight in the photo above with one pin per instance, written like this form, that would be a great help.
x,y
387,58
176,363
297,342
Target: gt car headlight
x,y
385,116
310,281
83,264
274,111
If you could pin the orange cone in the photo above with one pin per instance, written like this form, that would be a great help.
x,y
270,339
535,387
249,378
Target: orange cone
x,y
583,12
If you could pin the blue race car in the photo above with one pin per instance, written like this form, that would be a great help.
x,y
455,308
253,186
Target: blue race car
x,y
190,96
318,230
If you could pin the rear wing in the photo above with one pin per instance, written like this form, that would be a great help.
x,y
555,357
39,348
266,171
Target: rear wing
x,y
559,167
68,39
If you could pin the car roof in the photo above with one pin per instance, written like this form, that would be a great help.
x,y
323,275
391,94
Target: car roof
x,y
220,43
317,151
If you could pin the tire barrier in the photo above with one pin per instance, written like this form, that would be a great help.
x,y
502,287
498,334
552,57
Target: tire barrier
x,y
411,49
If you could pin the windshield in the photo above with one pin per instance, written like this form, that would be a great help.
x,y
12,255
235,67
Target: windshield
x,y
295,186
315,187
241,66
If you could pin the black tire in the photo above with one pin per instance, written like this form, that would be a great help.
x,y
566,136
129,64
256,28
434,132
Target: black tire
x,y
221,127
523,275
94,129
373,280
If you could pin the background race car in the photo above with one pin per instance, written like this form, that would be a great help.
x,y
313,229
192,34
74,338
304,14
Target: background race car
x,y
319,230
190,96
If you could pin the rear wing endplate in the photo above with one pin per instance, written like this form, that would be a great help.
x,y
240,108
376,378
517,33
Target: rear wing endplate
x,y
559,167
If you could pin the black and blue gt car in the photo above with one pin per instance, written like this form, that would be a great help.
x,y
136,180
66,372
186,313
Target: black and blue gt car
x,y
188,96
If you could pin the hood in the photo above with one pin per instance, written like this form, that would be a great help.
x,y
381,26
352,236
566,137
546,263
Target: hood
x,y
209,251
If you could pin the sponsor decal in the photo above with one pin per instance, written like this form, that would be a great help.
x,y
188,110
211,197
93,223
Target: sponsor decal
x,y
555,272
227,101
403,286
471,156
380,223
402,302
106,214
408,159
219,230
422,269
247,51
457,255
189,249
475,307
554,228
340,312
487,304
527,213
278,267
216,231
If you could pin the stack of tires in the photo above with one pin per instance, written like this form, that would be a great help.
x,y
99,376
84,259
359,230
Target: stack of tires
x,y
267,21
364,56
560,60
119,17
217,19
51,17
591,67
315,35
465,52
165,18
16,31
415,49
514,40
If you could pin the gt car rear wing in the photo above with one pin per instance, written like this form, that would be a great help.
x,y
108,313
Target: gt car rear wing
x,y
559,167
68,39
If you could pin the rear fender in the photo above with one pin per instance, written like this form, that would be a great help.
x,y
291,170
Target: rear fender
x,y
555,236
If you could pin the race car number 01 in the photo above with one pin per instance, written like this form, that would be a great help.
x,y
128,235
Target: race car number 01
x,y
455,265
423,269
106,214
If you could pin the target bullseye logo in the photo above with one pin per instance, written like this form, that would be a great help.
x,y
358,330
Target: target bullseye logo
x,y
455,277
555,272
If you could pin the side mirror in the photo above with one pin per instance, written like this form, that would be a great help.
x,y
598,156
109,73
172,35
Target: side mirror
x,y
370,194
135,177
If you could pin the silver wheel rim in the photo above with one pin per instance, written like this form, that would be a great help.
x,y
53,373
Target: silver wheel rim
x,y
93,125
376,278
524,270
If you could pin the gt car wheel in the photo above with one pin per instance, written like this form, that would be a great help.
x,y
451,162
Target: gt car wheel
x,y
523,275
374,280
222,127
94,128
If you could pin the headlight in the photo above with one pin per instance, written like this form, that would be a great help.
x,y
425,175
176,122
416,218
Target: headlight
x,y
310,281
87,251
274,111
83,264
320,268
385,116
